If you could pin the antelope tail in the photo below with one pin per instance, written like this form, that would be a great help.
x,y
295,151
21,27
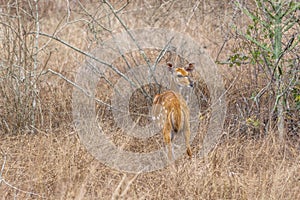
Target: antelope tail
x,y
175,119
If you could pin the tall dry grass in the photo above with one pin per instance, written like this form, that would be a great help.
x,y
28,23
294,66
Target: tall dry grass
x,y
57,166
52,163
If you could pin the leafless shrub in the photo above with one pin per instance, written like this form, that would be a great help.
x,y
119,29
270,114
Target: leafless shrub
x,y
18,66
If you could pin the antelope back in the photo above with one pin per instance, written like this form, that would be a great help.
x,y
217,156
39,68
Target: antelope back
x,y
171,113
169,106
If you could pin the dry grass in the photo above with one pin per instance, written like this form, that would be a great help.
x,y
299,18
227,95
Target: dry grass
x,y
56,166
53,164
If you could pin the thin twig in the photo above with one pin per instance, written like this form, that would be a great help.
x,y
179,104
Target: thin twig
x,y
20,190
88,55
35,64
158,59
78,87
2,180
128,185
126,4
161,54
101,75
195,7
116,192
2,168
85,92
135,42
134,75
128,32
93,19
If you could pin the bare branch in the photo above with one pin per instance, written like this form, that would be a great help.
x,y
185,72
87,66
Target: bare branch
x,y
88,55
128,32
79,87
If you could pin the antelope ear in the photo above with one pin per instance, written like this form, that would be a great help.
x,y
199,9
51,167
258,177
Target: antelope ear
x,y
190,67
170,66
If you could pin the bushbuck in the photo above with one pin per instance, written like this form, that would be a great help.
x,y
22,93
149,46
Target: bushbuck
x,y
170,110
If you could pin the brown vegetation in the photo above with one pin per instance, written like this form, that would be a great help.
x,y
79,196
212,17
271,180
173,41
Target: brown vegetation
x,y
46,159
